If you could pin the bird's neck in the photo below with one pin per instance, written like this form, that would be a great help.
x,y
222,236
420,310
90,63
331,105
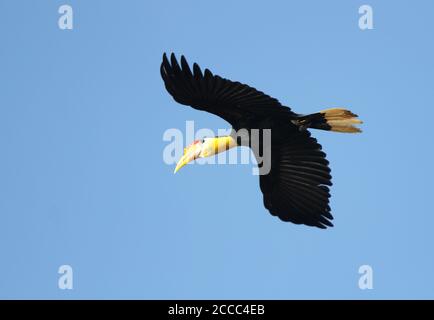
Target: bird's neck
x,y
221,144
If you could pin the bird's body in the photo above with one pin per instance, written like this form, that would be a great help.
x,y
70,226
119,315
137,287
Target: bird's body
x,y
296,188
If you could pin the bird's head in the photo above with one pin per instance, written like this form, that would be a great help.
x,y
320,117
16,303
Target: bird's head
x,y
192,152
204,148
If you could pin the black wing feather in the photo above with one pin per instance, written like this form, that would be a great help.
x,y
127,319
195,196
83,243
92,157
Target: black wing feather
x,y
296,189
230,100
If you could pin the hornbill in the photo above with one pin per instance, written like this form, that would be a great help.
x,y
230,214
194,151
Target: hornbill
x,y
296,189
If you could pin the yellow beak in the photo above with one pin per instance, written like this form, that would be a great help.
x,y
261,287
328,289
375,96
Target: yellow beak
x,y
190,153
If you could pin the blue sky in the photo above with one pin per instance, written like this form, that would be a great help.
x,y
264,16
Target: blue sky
x,y
82,177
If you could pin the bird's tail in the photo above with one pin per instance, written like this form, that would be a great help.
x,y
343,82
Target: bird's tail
x,y
335,119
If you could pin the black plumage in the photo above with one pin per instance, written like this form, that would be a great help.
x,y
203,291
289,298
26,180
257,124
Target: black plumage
x,y
297,187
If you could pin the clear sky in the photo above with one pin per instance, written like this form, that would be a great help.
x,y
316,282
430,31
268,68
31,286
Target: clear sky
x,y
82,177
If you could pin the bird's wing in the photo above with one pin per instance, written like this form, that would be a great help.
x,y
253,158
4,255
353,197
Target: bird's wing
x,y
230,100
296,188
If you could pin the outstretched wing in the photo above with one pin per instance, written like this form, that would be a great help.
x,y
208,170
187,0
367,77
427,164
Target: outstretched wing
x,y
230,100
296,189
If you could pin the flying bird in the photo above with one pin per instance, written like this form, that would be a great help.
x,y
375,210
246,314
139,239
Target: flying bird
x,y
296,188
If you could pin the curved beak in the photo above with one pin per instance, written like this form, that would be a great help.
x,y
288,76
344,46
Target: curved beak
x,y
190,153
